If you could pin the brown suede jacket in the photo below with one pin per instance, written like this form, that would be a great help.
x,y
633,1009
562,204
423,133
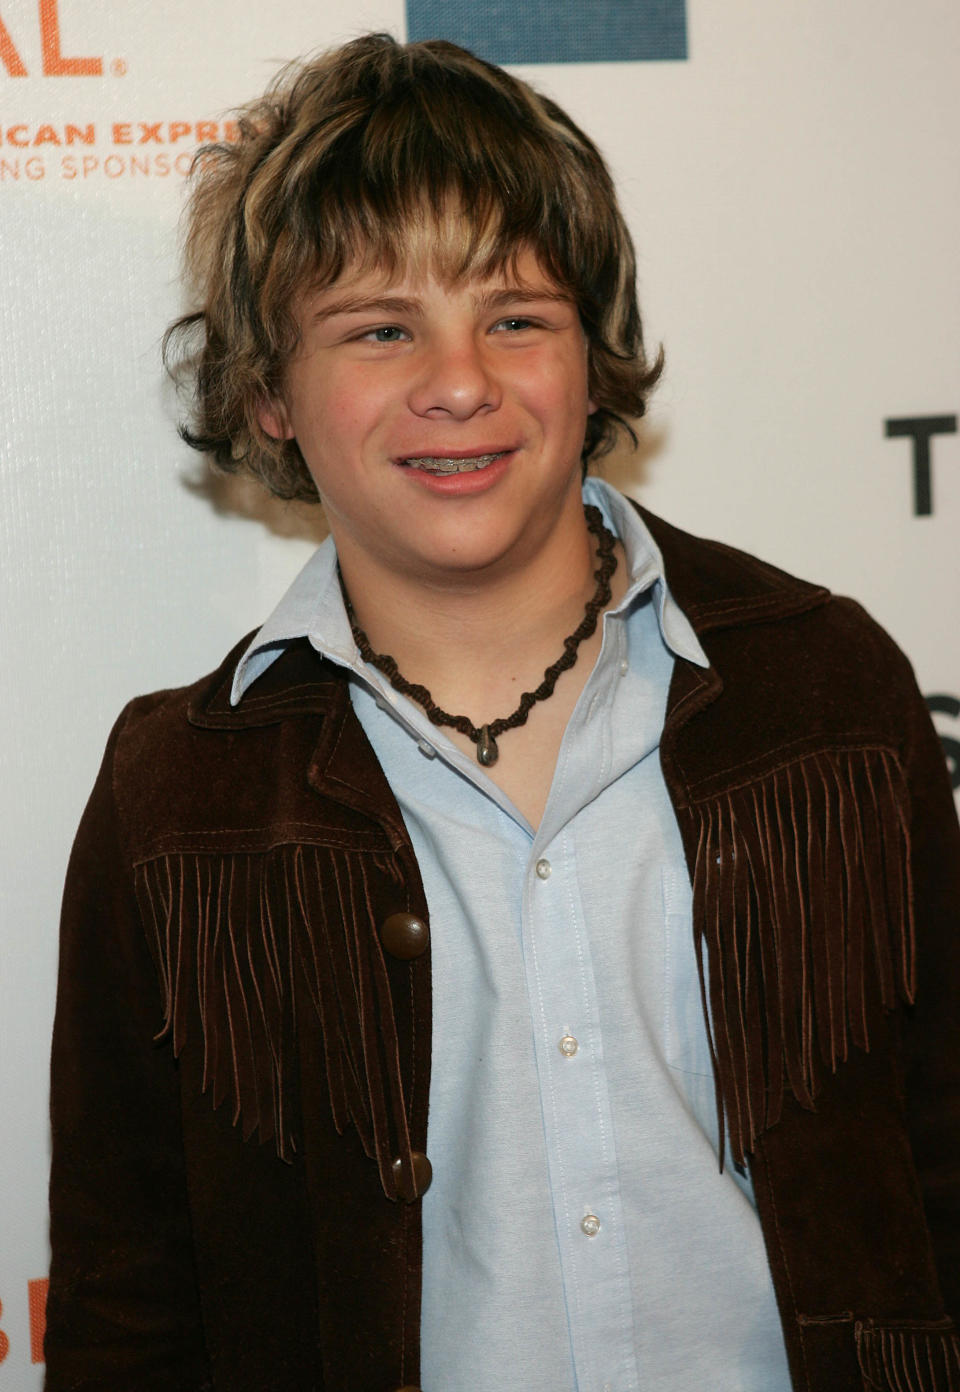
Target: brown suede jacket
x,y
241,1058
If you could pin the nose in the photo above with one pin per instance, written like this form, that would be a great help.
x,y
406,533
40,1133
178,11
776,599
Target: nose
x,y
456,380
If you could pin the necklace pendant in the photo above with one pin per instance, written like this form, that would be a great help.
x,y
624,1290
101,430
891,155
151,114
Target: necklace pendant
x,y
487,751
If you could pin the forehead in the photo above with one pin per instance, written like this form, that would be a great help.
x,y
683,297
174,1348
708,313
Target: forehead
x,y
430,275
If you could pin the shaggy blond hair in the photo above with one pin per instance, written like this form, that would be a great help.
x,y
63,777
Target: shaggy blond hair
x,y
358,158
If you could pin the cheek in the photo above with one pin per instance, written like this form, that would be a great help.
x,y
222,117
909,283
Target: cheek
x,y
337,434
345,405
561,395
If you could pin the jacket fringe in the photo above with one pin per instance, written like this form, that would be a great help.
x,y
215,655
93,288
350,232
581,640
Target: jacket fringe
x,y
898,1359
803,911
803,919
230,933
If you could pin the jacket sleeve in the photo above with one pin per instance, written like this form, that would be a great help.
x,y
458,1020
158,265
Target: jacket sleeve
x,y
123,1306
932,1025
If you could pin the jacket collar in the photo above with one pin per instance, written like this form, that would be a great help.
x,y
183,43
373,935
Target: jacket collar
x,y
302,683
718,586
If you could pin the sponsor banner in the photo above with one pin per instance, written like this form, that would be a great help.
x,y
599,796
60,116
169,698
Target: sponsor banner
x,y
73,110
134,149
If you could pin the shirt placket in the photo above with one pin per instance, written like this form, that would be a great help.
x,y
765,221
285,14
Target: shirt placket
x,y
578,1117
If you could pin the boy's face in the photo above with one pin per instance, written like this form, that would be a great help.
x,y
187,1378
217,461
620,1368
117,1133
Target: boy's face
x,y
442,425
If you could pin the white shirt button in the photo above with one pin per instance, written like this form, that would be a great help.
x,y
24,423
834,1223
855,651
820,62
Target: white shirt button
x,y
427,750
568,1046
624,667
544,869
590,1224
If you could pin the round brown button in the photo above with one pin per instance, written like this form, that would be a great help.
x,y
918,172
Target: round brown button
x,y
404,935
422,1175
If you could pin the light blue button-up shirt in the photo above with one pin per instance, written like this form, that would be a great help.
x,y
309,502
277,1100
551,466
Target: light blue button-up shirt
x,y
577,1234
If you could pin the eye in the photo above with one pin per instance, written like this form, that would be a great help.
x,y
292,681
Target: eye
x,y
385,333
516,323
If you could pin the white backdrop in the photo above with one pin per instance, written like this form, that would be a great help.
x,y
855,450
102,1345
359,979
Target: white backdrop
x,y
794,192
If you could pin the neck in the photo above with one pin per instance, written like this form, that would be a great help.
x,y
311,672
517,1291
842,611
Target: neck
x,y
476,641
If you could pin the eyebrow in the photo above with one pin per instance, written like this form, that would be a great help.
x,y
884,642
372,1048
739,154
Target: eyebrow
x,y
393,304
362,304
519,294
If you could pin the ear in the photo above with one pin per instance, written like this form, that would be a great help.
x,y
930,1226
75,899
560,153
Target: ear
x,y
272,418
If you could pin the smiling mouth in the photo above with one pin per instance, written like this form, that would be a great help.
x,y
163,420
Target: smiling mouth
x,y
438,464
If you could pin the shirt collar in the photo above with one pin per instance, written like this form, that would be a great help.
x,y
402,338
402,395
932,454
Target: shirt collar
x,y
645,568
313,606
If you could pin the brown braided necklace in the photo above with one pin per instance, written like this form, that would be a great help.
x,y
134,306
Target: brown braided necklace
x,y
485,737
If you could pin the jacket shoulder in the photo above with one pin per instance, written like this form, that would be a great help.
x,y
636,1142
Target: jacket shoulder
x,y
184,765
150,715
719,586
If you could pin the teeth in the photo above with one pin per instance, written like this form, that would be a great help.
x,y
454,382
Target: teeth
x,y
430,464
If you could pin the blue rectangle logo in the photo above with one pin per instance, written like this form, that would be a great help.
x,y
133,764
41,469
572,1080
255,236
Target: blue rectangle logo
x,y
561,31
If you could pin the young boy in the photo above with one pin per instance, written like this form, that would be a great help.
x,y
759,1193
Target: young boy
x,y
528,834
